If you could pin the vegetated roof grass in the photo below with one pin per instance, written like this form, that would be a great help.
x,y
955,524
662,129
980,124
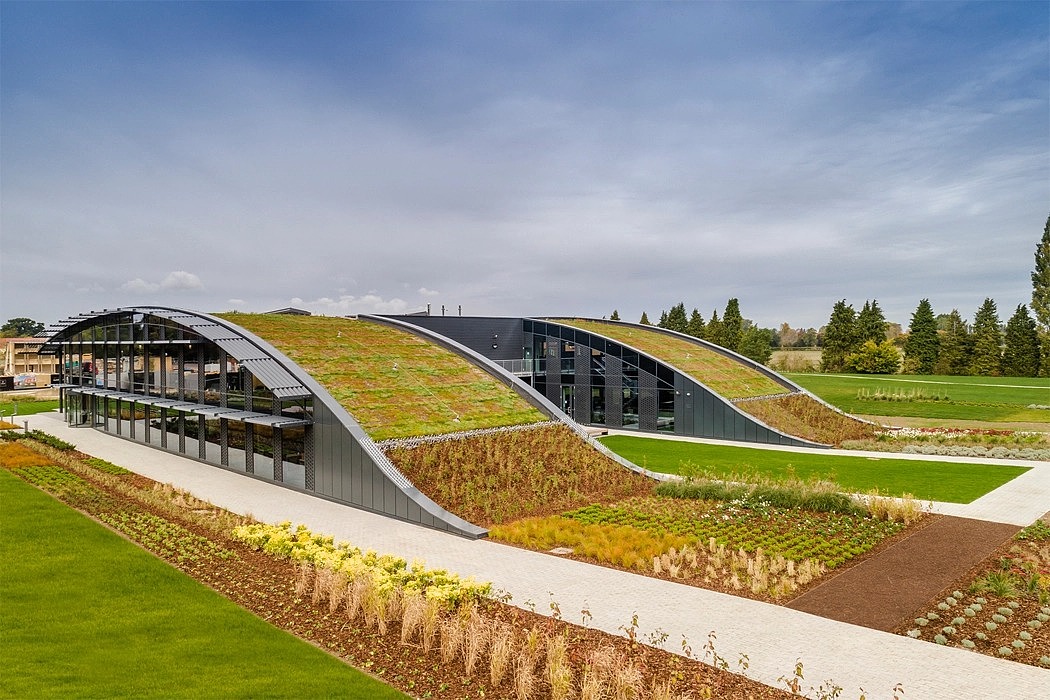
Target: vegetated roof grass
x,y
951,482
393,383
724,375
800,415
993,399
83,607
499,477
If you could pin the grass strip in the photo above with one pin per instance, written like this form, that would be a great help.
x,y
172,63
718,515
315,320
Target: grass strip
x,y
87,614
951,482
992,399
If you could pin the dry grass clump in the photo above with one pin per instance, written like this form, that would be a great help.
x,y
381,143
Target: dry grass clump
x,y
758,572
905,510
536,661
14,455
501,477
620,545
802,416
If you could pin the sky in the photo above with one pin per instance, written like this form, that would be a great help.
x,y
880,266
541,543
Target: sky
x,y
522,158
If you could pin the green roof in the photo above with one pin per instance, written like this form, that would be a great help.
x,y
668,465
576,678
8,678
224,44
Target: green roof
x,y
724,375
393,383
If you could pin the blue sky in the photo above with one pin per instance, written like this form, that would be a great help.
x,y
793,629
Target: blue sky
x,y
522,158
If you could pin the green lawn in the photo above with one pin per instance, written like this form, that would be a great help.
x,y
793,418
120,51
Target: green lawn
x,y
25,407
86,614
1000,399
926,480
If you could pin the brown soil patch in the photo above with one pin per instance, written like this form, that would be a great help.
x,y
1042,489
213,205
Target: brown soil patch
x,y
879,592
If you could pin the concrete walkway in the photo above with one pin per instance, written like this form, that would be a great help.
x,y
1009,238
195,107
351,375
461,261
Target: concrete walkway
x,y
772,637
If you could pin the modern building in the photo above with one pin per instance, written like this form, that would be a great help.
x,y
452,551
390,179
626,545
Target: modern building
x,y
205,388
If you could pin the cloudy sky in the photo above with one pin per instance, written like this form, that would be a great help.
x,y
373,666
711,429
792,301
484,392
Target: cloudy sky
x,y
532,158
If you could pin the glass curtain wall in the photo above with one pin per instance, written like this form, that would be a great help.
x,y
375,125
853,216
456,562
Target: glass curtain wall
x,y
625,389
158,359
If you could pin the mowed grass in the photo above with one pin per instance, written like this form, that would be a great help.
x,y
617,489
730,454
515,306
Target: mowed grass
x,y
25,407
926,480
995,399
86,614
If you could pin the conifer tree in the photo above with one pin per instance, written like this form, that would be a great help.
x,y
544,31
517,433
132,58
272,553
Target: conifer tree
x,y
756,343
839,337
662,323
1041,296
1021,351
1041,280
615,315
732,325
676,319
922,346
713,332
871,323
956,346
644,320
987,341
696,325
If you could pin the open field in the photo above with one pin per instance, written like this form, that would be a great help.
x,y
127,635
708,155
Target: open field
x,y
944,398
88,614
926,480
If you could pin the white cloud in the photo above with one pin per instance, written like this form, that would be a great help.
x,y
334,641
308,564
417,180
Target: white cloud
x,y
346,305
139,285
181,280
176,281
423,291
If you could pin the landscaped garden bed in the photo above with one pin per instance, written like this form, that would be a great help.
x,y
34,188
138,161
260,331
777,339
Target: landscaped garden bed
x,y
1000,608
438,645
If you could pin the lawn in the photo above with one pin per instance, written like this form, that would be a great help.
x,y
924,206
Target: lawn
x,y
996,399
926,480
88,614
25,407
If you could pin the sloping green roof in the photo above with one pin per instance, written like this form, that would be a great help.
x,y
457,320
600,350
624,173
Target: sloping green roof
x,y
724,375
393,383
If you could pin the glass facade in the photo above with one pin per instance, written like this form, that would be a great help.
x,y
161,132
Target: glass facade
x,y
157,381
623,388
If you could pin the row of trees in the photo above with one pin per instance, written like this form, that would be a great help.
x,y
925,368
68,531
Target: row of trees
x,y
947,344
732,331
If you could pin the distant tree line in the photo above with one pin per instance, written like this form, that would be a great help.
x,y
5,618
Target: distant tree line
x,y
732,331
946,343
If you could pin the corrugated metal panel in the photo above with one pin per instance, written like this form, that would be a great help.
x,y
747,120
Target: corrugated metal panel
x,y
275,377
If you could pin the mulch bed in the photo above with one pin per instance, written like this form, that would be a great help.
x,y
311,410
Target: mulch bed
x,y
882,590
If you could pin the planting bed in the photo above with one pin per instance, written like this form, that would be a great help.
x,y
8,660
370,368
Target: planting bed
x,y
1001,607
196,538
503,476
756,551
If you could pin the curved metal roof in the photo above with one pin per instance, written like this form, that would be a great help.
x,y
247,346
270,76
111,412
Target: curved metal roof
x,y
261,364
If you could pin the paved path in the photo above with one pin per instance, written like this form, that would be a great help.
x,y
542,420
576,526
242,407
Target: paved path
x,y
880,591
772,637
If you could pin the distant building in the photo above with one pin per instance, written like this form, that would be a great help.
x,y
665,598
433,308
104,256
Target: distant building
x,y
291,311
21,358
